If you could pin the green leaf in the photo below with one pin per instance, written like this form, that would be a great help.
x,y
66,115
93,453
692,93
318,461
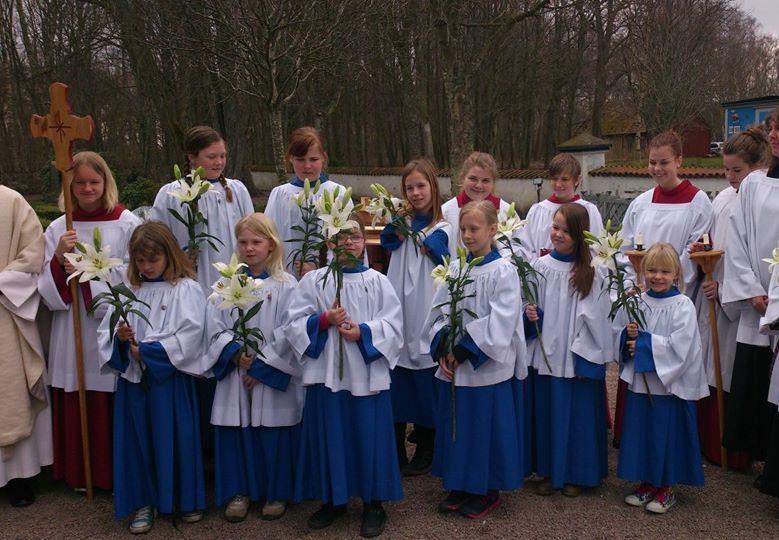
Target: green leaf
x,y
176,215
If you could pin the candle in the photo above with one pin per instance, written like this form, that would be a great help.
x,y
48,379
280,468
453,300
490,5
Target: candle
x,y
639,241
706,242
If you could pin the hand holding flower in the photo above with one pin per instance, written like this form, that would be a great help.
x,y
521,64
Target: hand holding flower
x,y
448,365
350,330
632,330
760,303
65,245
245,361
336,315
125,332
531,310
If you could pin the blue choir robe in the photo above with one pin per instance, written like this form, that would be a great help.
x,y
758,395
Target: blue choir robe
x,y
348,440
157,459
660,436
256,431
569,403
488,432
413,395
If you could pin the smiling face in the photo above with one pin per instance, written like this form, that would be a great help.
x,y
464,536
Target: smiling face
x,y
664,167
254,250
213,158
151,266
660,279
476,234
309,165
354,242
418,192
88,186
564,186
478,183
560,236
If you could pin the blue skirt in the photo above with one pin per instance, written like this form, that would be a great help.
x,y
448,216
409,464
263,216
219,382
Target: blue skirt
x,y
571,435
660,442
157,460
347,448
414,396
524,395
258,462
487,453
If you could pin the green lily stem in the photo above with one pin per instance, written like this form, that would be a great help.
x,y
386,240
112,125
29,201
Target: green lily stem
x,y
541,344
339,285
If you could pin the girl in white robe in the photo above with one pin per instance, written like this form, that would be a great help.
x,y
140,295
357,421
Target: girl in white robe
x,y
674,211
480,453
478,175
347,443
157,460
257,408
96,206
306,153
742,154
413,393
664,371
571,433
751,238
564,180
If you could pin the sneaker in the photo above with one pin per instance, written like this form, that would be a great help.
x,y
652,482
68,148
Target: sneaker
x,y
420,464
325,516
192,517
453,501
664,499
143,520
641,495
374,518
478,506
545,488
237,509
273,510
569,490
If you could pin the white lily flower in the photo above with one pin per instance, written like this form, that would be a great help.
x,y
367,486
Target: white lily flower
x,y
240,291
774,260
337,221
92,263
509,223
441,272
186,192
230,269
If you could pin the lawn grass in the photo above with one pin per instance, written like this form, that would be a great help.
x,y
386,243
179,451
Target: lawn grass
x,y
714,162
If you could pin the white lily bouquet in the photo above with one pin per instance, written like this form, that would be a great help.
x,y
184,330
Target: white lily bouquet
x,y
386,207
310,232
509,224
95,263
622,289
334,213
772,262
237,291
190,189
453,311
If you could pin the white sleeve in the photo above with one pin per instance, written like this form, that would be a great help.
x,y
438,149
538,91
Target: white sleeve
x,y
675,354
740,282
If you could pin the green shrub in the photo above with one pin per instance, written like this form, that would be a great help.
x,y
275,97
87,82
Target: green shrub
x,y
138,191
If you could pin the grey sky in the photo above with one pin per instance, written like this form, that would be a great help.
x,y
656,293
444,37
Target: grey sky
x,y
766,12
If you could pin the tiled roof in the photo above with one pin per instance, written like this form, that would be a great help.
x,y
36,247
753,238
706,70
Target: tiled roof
x,y
684,172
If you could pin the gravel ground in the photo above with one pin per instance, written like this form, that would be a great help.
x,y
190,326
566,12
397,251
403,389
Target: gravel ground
x,y
727,507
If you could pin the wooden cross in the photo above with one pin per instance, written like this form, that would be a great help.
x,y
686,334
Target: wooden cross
x,y
62,128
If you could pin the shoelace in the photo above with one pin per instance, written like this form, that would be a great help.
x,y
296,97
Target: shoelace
x,y
143,514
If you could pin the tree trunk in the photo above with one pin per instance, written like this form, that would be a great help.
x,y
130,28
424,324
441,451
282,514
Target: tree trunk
x,y
277,141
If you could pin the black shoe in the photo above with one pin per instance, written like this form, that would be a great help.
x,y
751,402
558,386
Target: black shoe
x,y
374,518
478,506
420,464
400,444
325,516
20,492
453,502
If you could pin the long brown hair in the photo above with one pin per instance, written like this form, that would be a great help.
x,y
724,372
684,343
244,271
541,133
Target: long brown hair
x,y
199,138
424,167
154,238
578,220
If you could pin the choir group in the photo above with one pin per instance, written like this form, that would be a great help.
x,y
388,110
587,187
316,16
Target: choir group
x,y
492,383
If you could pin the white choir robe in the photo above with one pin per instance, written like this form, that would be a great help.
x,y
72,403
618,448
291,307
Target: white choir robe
x,y
62,356
752,236
534,236
369,299
672,340
157,415
286,214
769,325
235,405
678,224
222,217
727,315
451,212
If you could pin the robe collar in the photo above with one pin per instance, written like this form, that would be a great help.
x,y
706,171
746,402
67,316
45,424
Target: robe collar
x,y
488,258
681,194
463,199
773,172
553,199
420,221
297,182
673,291
561,257
262,275
356,269
101,214
144,279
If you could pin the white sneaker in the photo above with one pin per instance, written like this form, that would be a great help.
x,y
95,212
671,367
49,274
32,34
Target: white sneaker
x,y
273,510
192,517
662,502
641,495
143,520
237,509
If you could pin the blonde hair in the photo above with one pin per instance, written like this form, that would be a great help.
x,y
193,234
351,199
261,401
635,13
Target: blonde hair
x,y
483,160
486,209
663,256
261,225
155,238
94,161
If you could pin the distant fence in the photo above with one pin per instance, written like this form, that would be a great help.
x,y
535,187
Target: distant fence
x,y
611,207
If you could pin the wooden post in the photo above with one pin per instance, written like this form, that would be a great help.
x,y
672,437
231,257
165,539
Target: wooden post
x,y
62,128
707,261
